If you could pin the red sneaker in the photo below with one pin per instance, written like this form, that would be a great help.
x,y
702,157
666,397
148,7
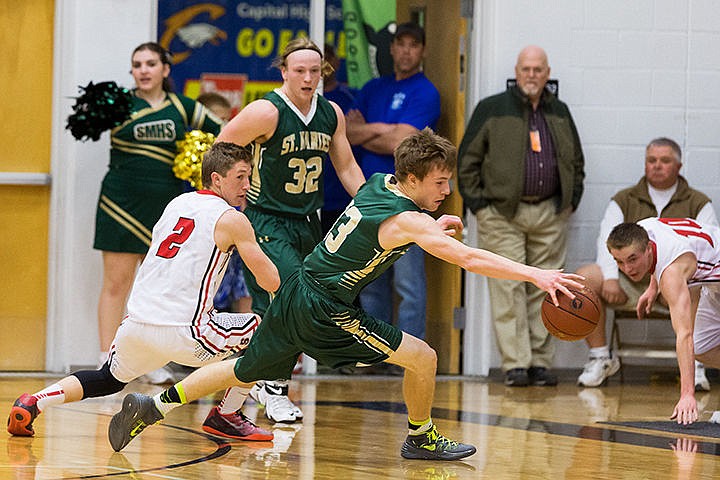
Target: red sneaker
x,y
22,414
236,425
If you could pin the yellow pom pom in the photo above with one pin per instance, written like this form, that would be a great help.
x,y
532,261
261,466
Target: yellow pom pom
x,y
188,161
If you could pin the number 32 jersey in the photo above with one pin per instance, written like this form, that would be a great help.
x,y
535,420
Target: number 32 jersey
x,y
287,177
177,280
675,236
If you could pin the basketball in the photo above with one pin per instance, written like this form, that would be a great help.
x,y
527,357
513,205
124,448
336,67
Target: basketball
x,y
573,319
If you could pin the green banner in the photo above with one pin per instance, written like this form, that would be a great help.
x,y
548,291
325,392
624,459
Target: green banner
x,y
369,27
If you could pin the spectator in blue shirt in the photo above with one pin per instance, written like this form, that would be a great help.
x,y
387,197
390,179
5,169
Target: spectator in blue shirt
x,y
387,110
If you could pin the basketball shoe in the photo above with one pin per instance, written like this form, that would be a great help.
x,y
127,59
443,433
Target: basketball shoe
x,y
138,412
236,425
597,370
274,397
161,376
22,414
431,445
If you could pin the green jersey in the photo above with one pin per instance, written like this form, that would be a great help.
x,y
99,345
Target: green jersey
x,y
287,177
145,146
350,256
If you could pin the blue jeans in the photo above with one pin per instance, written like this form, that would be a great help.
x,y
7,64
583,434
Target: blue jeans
x,y
407,276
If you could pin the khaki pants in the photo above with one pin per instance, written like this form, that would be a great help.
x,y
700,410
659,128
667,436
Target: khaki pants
x,y
535,236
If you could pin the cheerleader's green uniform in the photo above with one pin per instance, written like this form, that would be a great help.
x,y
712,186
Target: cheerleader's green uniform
x,y
140,181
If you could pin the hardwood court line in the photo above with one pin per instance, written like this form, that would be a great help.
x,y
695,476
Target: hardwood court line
x,y
587,432
223,447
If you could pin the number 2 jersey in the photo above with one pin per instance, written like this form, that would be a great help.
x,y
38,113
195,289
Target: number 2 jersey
x,y
350,255
287,177
673,237
177,280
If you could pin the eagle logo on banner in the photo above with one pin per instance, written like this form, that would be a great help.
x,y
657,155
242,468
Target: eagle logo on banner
x,y
193,35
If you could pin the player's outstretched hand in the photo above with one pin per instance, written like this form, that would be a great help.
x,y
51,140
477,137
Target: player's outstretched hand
x,y
685,411
553,280
451,224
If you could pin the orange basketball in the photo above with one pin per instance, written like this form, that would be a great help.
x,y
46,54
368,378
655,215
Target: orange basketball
x,y
573,319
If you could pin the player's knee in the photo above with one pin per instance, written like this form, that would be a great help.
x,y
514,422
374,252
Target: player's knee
x,y
593,276
99,383
430,354
426,356
710,359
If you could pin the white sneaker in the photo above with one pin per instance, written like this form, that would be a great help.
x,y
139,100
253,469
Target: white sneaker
x,y
160,376
274,397
597,370
701,382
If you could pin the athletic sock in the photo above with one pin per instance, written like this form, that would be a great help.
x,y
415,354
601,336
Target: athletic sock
x,y
52,395
600,352
171,398
233,400
416,428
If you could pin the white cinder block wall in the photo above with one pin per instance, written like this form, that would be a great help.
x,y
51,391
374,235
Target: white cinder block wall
x,y
630,71
93,42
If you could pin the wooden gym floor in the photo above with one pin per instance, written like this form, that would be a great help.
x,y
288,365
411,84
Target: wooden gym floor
x,y
354,426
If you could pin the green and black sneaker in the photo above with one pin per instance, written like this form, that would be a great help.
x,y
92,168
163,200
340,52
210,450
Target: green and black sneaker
x,y
431,445
138,412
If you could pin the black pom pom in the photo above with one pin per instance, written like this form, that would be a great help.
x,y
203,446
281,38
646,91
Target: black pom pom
x,y
101,107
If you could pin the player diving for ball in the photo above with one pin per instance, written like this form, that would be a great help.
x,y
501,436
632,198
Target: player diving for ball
x,y
683,258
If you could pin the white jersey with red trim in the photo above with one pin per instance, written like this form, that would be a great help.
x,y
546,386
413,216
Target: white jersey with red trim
x,y
183,268
674,236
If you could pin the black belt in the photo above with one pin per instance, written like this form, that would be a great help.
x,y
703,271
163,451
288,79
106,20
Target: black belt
x,y
533,199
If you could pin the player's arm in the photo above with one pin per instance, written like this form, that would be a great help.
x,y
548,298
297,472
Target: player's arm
x,y
431,236
257,121
233,228
611,291
359,131
707,216
342,158
389,138
378,137
673,286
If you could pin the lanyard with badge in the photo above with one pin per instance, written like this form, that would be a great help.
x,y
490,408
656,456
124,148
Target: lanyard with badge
x,y
535,144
